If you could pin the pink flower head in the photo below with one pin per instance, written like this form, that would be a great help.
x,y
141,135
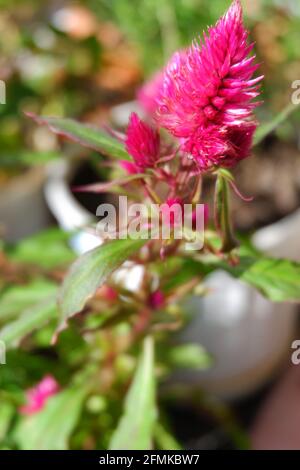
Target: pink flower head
x,y
148,94
156,300
209,89
142,143
39,395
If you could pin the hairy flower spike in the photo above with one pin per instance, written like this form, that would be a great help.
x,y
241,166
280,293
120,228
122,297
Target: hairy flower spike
x,y
207,93
142,143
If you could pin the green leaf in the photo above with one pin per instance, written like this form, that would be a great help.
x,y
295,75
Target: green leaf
x,y
276,279
89,272
26,158
265,129
18,298
51,428
7,410
85,135
32,318
189,355
48,249
136,427
164,439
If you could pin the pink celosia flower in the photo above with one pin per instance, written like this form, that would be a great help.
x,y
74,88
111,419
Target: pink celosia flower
x,y
206,98
142,143
38,395
148,94
156,300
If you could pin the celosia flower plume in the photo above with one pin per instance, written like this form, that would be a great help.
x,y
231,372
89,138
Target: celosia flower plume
x,y
142,143
207,93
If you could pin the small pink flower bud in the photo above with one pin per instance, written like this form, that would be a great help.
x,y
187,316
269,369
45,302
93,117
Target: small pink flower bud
x,y
142,143
156,300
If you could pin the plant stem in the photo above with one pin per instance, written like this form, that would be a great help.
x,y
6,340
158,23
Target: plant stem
x,y
222,214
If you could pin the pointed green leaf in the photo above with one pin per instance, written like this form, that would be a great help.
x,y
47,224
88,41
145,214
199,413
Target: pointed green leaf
x,y
276,279
7,411
85,135
164,438
32,318
89,272
51,428
16,299
265,129
136,427
189,356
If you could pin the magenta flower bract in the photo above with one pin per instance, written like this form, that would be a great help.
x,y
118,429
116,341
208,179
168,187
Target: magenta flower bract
x,y
142,143
38,395
207,93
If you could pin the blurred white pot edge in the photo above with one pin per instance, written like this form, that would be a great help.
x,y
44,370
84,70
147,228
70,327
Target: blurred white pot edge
x,y
71,215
